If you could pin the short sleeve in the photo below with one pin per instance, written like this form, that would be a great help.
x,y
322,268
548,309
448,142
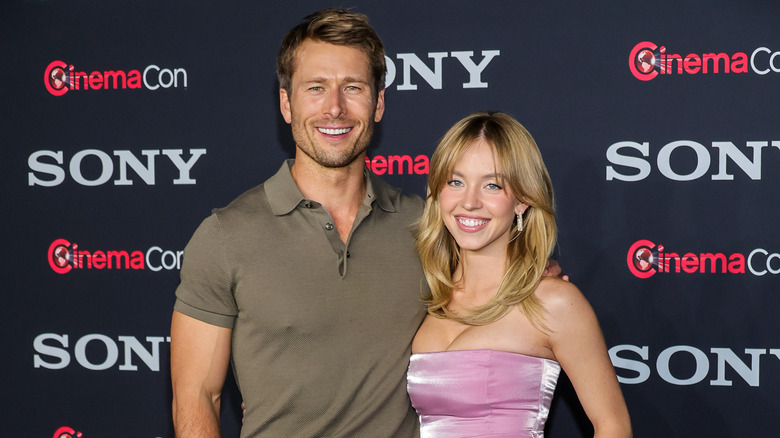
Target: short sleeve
x,y
206,288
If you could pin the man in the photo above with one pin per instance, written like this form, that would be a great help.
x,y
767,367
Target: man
x,y
310,280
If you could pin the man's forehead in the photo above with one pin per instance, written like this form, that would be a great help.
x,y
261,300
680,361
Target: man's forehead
x,y
320,59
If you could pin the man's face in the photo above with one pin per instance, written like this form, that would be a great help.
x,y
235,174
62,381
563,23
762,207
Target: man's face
x,y
331,106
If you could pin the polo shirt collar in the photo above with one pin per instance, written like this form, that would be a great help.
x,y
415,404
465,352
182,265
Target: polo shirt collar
x,y
284,195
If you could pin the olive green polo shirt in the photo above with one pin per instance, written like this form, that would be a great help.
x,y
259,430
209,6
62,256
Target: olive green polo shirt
x,y
322,330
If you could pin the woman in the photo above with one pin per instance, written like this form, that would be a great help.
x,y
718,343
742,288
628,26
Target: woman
x,y
486,358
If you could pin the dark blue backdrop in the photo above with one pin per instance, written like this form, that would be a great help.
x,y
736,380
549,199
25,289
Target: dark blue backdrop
x,y
670,164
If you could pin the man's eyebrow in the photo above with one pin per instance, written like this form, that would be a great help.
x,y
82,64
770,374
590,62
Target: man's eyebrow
x,y
322,79
358,80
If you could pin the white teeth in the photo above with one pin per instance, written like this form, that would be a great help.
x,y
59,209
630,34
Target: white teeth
x,y
471,222
333,131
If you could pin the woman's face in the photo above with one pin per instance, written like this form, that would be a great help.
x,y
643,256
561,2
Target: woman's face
x,y
477,210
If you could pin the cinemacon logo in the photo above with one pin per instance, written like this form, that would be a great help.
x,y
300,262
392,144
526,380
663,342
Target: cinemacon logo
x,y
59,78
398,164
646,259
64,257
646,61
69,432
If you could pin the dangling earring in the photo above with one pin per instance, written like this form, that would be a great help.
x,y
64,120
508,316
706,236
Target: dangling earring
x,y
519,223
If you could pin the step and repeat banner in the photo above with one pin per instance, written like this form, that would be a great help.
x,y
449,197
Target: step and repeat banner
x,y
124,123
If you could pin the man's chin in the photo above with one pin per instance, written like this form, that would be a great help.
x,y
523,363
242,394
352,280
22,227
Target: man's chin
x,y
338,163
334,162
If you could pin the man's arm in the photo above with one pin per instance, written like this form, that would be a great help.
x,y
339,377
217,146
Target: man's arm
x,y
200,353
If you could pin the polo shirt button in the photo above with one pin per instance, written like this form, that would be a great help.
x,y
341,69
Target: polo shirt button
x,y
329,226
307,204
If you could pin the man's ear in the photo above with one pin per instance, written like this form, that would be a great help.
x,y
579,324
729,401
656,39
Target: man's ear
x,y
284,105
380,105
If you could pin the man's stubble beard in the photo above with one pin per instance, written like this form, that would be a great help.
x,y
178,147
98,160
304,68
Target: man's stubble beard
x,y
306,143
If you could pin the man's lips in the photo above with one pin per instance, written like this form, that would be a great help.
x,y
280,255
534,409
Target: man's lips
x,y
334,131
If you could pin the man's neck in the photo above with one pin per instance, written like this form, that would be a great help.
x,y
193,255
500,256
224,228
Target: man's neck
x,y
340,190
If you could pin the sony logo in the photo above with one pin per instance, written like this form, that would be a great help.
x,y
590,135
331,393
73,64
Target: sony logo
x,y
633,358
48,170
673,160
433,76
53,352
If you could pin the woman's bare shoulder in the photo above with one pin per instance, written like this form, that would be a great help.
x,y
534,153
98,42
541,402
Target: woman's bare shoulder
x,y
562,299
553,290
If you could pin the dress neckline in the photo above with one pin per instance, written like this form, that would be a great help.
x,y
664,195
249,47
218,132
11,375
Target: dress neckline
x,y
488,350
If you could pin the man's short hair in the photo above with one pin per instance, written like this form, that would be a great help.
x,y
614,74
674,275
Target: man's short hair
x,y
334,26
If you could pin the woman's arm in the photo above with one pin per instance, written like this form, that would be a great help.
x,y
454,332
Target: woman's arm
x,y
578,344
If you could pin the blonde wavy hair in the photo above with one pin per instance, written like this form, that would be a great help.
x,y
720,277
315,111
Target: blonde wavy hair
x,y
519,161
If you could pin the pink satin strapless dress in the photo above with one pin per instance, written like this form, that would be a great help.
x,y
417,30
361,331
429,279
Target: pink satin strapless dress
x,y
481,393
